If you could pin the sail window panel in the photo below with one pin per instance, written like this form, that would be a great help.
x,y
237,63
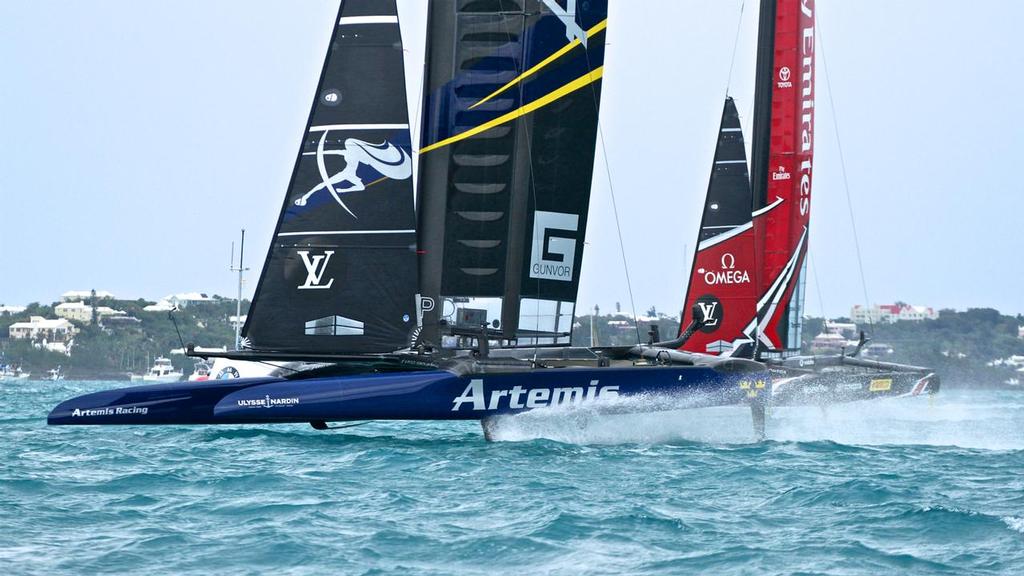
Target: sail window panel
x,y
481,244
470,311
474,188
480,160
545,322
478,216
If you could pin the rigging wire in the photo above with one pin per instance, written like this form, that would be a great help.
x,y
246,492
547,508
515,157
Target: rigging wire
x,y
817,285
611,192
536,233
735,46
846,181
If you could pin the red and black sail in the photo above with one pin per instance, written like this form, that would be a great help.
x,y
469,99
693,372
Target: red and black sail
x,y
768,244
722,285
783,150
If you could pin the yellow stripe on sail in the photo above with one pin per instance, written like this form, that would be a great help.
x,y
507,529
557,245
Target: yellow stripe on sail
x,y
548,98
597,28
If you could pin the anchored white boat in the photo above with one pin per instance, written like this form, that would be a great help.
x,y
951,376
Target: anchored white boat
x,y
161,371
12,373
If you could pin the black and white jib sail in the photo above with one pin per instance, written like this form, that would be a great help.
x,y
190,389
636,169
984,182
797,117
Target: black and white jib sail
x,y
510,122
341,275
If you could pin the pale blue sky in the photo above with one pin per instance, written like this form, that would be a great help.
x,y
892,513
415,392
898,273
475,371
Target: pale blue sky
x,y
137,137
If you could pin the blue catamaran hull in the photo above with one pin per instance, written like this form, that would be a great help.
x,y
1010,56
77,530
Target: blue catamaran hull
x,y
421,395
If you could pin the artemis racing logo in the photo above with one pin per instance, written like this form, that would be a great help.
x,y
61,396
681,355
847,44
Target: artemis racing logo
x,y
315,268
554,245
114,411
518,397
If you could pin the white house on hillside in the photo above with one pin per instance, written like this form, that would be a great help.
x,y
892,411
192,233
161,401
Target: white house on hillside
x,y
185,298
82,312
891,313
76,295
55,335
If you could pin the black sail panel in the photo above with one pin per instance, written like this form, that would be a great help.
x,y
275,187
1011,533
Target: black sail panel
x,y
728,202
510,125
341,275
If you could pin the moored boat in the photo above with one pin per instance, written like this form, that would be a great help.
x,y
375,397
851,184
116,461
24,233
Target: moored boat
x,y
12,373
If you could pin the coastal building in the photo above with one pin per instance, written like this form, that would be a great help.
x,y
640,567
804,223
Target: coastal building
x,y
120,321
828,343
53,334
82,312
76,295
175,301
892,313
1020,332
56,330
185,299
4,309
844,329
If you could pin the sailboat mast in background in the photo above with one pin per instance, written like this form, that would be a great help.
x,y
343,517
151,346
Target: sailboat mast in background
x,y
241,269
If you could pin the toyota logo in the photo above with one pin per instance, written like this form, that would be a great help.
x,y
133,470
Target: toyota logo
x,y
784,74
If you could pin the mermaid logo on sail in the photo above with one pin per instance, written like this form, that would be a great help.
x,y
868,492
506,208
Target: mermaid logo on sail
x,y
386,159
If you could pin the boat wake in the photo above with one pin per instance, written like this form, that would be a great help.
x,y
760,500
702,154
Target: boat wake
x,y
961,419
630,420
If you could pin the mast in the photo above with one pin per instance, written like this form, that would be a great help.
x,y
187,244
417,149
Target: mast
x,y
763,87
241,269
782,165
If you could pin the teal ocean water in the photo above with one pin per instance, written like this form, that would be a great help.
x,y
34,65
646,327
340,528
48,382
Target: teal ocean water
x,y
896,487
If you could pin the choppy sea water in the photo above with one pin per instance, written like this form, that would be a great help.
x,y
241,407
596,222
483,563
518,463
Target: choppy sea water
x,y
893,487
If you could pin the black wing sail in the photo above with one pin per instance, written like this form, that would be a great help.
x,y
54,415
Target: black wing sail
x,y
510,122
341,275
